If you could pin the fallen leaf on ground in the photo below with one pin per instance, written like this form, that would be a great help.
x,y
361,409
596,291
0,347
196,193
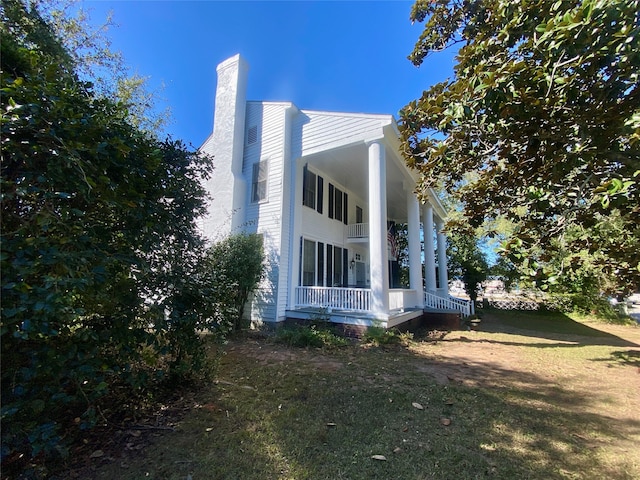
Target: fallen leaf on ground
x,y
331,424
417,405
379,457
97,454
445,421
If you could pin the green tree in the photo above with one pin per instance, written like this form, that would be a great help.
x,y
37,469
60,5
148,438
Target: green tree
x,y
544,109
93,58
466,261
235,266
98,241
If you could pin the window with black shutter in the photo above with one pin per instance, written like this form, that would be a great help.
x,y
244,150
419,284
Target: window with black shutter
x,y
309,188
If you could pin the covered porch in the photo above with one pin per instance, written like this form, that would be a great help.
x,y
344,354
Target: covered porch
x,y
381,192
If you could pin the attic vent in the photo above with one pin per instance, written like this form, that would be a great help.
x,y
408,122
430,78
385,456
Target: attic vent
x,y
252,135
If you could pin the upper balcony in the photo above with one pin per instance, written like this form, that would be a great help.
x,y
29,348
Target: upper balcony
x,y
358,232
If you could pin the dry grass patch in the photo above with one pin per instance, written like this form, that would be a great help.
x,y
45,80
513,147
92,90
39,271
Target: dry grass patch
x,y
502,403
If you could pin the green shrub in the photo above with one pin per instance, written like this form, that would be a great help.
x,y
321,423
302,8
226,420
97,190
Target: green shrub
x,y
309,336
233,269
583,304
377,335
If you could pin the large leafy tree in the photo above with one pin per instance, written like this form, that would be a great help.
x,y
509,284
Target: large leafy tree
x,y
544,110
99,241
88,48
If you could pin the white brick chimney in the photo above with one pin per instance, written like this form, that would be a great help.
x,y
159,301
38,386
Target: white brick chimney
x,y
227,186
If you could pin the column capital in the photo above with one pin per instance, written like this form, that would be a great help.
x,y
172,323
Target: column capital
x,y
374,141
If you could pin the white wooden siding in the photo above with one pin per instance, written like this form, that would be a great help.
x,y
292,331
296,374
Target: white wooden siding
x,y
314,130
266,217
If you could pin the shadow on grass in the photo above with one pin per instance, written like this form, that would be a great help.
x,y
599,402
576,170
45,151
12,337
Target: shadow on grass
x,y
290,413
625,357
550,326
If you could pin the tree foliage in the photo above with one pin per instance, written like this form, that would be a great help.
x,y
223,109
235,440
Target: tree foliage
x,y
467,262
89,51
544,109
235,266
99,241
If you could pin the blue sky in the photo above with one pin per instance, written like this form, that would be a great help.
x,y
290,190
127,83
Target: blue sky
x,y
320,55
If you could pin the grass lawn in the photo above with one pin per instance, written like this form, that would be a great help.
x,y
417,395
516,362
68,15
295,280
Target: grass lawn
x,y
524,397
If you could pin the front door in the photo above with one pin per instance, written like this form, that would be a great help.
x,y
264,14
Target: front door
x,y
360,274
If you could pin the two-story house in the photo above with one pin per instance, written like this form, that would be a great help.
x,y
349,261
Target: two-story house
x,y
325,190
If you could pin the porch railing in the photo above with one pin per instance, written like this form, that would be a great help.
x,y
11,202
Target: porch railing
x,y
358,230
432,300
357,299
399,299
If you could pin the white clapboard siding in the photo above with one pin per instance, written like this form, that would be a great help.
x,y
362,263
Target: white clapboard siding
x,y
266,217
314,130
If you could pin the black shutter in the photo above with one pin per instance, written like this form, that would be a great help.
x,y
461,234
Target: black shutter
x,y
320,189
345,267
300,271
329,265
331,201
344,204
320,265
304,184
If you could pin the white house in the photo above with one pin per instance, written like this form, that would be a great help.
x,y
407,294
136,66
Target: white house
x,y
324,189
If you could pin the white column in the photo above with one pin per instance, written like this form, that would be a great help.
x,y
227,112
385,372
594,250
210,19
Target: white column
x,y
429,250
378,255
442,259
415,265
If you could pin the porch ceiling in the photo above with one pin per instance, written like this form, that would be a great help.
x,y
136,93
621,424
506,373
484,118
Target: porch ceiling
x,y
348,166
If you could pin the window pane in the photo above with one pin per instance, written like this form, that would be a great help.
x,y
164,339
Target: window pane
x,y
329,265
309,263
259,182
337,266
320,263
